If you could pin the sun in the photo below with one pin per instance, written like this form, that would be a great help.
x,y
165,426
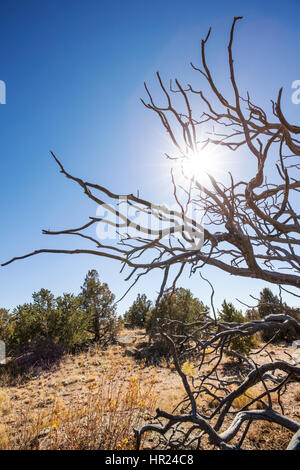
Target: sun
x,y
198,165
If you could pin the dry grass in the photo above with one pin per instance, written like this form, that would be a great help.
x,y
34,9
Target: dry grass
x,y
266,436
4,403
85,410
94,399
297,395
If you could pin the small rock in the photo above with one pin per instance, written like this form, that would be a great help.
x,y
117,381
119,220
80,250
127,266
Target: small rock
x,y
126,340
90,379
69,382
44,403
96,363
52,384
131,352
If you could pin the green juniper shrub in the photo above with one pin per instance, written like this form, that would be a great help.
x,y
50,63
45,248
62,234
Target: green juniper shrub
x,y
67,321
60,319
238,343
179,305
136,315
270,304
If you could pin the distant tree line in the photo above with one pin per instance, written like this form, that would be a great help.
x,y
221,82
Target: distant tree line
x,y
68,320
183,308
72,320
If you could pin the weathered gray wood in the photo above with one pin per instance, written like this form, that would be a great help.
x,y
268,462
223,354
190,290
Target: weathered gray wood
x,y
295,442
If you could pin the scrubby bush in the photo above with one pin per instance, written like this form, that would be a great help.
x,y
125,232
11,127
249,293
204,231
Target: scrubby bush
x,y
6,328
70,321
270,304
238,343
60,319
67,321
136,315
179,305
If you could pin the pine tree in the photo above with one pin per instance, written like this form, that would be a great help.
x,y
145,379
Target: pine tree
x,y
98,301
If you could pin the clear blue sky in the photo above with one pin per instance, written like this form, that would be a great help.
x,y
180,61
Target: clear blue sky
x,y
74,72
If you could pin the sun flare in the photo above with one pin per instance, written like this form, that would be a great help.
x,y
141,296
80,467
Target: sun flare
x,y
198,165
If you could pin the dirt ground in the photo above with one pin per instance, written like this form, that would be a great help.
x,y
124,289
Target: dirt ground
x,y
75,375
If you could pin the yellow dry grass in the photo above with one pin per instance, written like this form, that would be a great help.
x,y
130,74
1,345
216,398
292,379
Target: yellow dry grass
x,y
83,410
94,399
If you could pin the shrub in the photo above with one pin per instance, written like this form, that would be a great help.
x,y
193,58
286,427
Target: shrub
x,y
61,320
6,328
270,304
238,343
136,315
179,305
67,321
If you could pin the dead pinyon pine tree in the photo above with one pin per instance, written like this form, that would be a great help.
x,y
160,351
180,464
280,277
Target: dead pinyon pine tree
x,y
250,228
